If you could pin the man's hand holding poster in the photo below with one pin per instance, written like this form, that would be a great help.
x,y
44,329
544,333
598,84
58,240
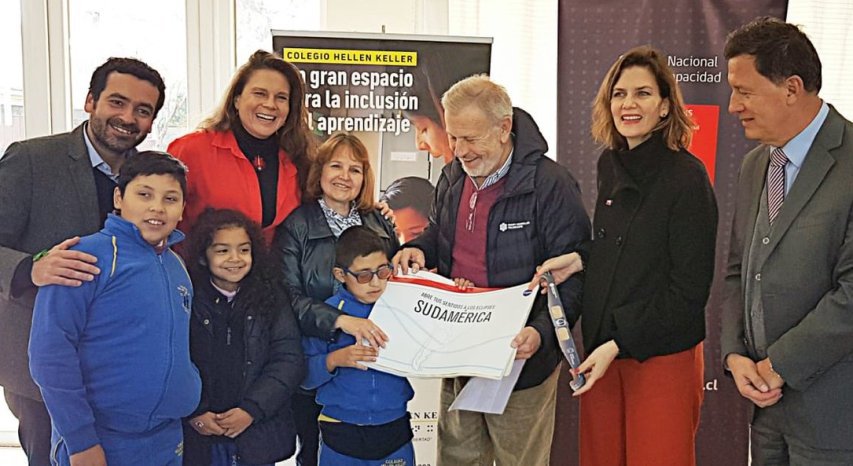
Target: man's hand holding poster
x,y
438,330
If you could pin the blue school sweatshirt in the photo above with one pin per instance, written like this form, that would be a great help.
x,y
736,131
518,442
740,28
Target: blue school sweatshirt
x,y
352,395
113,353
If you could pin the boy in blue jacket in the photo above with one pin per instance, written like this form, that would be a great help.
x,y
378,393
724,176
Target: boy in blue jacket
x,y
111,356
364,419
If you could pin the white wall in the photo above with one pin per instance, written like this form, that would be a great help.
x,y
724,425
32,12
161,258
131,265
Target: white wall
x,y
524,51
827,23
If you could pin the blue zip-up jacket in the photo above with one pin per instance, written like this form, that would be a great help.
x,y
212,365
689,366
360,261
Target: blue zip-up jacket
x,y
113,354
352,395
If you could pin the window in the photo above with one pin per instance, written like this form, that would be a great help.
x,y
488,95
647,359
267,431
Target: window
x,y
255,19
11,81
826,22
11,130
154,32
523,56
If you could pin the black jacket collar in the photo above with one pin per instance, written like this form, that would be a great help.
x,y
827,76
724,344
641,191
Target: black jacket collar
x,y
632,169
318,228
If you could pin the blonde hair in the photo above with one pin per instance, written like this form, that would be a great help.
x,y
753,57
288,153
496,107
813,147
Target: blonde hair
x,y
365,200
491,98
677,127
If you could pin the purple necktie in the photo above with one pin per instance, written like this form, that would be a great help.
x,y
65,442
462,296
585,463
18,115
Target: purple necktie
x,y
776,183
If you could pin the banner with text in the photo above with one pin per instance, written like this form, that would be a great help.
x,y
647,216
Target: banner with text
x,y
386,89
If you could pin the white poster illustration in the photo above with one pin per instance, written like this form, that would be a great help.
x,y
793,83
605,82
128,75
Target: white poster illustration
x,y
436,330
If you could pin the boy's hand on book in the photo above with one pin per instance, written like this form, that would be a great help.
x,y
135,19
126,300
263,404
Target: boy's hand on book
x,y
362,329
91,457
206,424
350,357
234,421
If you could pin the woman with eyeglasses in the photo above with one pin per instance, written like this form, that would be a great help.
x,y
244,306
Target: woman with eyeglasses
x,y
339,193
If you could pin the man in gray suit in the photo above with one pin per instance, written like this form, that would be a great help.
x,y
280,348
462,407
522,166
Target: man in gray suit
x,y
56,189
788,310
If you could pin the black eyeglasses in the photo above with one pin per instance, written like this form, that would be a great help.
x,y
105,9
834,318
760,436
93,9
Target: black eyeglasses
x,y
384,272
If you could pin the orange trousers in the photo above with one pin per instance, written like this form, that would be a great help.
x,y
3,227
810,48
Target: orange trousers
x,y
644,413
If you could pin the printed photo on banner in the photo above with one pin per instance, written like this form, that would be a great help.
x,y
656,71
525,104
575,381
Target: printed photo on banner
x,y
386,89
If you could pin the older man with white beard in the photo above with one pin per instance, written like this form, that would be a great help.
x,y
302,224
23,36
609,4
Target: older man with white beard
x,y
501,207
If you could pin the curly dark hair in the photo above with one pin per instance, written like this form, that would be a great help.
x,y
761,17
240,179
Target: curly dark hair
x,y
262,286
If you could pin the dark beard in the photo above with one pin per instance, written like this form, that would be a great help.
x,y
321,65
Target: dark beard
x,y
118,144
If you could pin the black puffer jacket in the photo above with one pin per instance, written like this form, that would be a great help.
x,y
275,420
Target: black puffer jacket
x,y
274,367
538,216
307,248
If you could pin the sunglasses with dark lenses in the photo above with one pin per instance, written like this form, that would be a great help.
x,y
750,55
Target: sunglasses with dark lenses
x,y
384,272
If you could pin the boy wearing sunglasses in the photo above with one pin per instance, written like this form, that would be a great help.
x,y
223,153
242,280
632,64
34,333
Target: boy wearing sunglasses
x,y
364,419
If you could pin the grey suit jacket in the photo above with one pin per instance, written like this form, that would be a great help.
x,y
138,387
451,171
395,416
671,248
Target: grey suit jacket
x,y
47,194
806,284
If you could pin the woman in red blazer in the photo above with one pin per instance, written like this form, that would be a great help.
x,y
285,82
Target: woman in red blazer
x,y
251,155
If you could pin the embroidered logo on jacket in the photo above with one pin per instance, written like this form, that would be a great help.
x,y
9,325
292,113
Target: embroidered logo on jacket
x,y
512,226
185,297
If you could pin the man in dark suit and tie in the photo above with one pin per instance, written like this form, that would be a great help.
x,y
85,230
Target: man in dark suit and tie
x,y
788,311
55,189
